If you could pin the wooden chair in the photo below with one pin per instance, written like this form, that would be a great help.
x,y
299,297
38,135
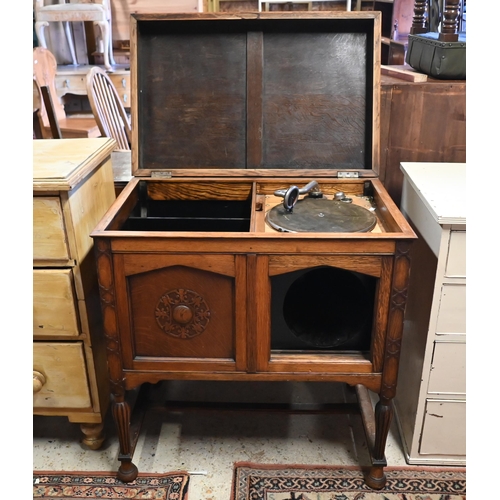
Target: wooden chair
x,y
97,11
45,97
37,104
108,109
44,74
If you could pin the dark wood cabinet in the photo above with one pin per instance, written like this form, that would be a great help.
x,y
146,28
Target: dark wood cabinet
x,y
420,122
234,116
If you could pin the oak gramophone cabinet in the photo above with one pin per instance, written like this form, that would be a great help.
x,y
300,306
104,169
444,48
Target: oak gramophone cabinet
x,y
255,241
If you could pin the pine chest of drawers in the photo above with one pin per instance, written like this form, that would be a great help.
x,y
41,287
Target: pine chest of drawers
x,y
72,188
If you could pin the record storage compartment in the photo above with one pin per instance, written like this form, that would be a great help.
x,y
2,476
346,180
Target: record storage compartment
x,y
195,283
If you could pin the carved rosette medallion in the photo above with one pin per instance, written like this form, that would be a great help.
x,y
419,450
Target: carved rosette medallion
x,y
182,313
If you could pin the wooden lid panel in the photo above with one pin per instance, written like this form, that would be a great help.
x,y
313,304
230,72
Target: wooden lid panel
x,y
258,94
192,95
315,111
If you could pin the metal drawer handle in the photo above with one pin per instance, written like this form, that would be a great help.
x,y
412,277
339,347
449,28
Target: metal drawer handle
x,y
38,381
124,83
66,83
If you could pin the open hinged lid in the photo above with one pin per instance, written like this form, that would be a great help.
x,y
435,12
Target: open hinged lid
x,y
267,94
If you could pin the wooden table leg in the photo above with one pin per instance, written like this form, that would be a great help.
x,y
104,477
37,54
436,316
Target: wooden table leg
x,y
376,478
121,414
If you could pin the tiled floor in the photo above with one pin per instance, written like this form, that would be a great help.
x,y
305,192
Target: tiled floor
x,y
207,443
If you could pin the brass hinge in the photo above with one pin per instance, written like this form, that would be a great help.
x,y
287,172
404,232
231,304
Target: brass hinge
x,y
161,174
346,175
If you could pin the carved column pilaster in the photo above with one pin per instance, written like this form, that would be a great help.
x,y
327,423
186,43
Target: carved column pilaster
x,y
384,408
120,408
106,283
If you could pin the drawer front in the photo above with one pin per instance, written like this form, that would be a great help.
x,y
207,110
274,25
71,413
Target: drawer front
x,y
64,383
448,369
71,84
54,303
455,263
443,430
49,235
451,315
122,86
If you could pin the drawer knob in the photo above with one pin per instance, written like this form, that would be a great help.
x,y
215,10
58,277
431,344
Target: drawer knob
x,y
38,381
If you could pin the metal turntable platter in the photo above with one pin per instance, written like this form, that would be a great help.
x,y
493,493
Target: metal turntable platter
x,y
320,215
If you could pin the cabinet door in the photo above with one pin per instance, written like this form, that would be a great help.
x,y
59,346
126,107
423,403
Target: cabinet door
x,y
182,311
321,313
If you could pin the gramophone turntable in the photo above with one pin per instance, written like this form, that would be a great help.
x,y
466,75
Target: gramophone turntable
x,y
255,241
316,213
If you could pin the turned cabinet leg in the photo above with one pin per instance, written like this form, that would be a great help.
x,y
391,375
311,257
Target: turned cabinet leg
x,y
376,478
121,414
93,435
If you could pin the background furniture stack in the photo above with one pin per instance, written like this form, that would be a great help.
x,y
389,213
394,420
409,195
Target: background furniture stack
x,y
67,28
71,82
97,12
265,5
44,75
397,17
430,403
446,17
72,189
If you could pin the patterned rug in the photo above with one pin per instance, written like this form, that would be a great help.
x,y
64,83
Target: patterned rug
x,y
104,485
300,482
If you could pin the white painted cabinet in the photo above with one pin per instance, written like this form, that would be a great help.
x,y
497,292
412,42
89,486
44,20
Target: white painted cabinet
x,y
431,397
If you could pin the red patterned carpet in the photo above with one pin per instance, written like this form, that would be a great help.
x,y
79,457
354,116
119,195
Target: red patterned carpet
x,y
286,482
104,485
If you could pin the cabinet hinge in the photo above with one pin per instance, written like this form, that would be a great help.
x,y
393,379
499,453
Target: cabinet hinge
x,y
345,175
